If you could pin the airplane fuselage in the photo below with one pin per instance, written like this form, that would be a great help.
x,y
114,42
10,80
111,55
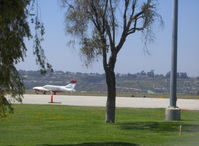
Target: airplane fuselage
x,y
53,88
57,88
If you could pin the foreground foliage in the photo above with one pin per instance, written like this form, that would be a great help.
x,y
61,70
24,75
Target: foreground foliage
x,y
65,125
14,29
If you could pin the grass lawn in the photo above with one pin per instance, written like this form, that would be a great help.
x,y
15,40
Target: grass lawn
x,y
52,125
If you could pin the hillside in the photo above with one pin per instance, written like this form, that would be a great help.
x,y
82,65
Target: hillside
x,y
132,83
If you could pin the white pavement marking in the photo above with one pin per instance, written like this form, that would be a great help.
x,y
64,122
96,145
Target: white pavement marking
x,y
133,102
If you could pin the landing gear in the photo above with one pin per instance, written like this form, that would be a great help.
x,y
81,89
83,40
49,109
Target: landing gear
x,y
36,92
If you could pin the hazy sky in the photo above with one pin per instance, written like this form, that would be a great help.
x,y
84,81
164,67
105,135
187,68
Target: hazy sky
x,y
132,58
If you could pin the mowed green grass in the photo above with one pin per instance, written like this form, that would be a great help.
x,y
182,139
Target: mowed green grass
x,y
82,126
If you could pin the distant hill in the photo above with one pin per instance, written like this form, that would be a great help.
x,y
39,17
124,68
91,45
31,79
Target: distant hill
x,y
142,82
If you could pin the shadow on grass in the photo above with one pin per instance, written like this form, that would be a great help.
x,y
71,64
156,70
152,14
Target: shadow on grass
x,y
159,126
96,144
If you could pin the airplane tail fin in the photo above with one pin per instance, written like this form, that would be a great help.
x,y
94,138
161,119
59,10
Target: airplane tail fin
x,y
72,84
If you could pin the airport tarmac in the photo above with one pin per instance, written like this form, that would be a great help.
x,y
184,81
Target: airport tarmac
x,y
130,102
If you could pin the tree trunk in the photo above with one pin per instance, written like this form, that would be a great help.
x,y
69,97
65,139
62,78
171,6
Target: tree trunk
x,y
111,96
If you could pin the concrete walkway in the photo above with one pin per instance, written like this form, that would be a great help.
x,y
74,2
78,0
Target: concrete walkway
x,y
133,102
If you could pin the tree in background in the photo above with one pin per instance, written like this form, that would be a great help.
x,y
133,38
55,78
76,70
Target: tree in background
x,y
14,28
102,27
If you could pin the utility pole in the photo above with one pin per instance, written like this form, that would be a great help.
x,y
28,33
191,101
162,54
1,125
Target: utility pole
x,y
173,112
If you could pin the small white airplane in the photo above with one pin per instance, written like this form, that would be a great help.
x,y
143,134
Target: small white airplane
x,y
54,89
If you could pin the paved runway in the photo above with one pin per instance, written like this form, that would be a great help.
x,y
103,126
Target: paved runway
x,y
133,102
